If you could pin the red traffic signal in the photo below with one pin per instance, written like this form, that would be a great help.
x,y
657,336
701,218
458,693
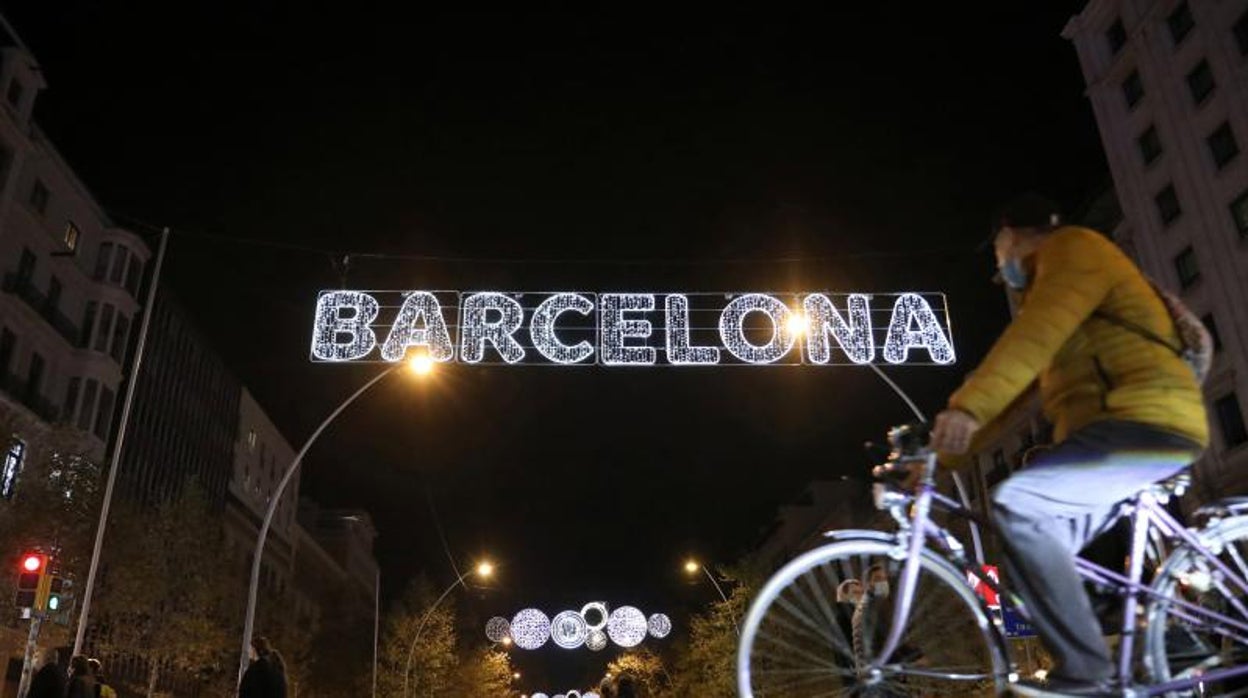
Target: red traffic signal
x,y
33,563
32,570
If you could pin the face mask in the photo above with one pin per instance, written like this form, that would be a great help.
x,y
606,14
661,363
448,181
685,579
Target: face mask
x,y
1013,274
880,589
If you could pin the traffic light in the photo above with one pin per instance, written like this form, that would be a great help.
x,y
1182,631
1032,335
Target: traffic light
x,y
56,588
32,569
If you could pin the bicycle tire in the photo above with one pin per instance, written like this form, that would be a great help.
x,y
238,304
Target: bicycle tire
x,y
793,645
1176,647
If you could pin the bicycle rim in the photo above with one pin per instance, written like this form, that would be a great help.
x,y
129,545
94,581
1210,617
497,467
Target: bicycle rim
x,y
1183,643
797,641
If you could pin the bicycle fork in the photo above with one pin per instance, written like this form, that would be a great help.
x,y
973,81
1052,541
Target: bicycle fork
x,y
1139,541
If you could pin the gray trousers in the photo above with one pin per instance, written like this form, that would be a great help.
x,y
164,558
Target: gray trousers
x,y
1047,512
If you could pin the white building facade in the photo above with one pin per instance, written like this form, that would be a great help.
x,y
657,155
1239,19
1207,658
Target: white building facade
x,y
70,277
1168,84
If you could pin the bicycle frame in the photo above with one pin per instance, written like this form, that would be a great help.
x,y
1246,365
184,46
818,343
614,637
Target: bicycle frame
x,y
1147,515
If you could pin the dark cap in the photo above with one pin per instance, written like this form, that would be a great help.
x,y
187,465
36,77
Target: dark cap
x,y
1030,210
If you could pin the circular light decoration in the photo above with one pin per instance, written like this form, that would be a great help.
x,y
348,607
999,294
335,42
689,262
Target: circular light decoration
x,y
497,629
627,626
540,695
569,630
530,629
597,641
591,694
599,610
572,694
660,626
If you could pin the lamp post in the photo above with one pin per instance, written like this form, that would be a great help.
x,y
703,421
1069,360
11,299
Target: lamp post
x,y
483,570
692,567
420,365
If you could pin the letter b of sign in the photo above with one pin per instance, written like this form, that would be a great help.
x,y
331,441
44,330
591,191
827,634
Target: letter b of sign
x,y
342,331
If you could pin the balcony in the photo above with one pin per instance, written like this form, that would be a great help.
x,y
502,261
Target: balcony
x,y
22,288
19,389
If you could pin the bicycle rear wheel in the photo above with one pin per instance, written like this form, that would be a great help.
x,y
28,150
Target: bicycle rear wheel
x,y
1182,642
797,643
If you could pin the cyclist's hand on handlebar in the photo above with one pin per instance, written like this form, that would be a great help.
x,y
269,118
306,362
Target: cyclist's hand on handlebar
x,y
952,432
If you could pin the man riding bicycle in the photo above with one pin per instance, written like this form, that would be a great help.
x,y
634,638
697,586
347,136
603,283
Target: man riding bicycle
x,y
1127,411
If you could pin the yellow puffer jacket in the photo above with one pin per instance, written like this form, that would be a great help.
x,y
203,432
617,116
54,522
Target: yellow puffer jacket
x,y
1089,369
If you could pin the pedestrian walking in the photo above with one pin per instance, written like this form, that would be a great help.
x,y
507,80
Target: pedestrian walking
x,y
266,674
49,681
81,682
102,689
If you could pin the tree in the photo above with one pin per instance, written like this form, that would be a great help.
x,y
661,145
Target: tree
x,y
646,669
707,665
432,630
484,672
166,594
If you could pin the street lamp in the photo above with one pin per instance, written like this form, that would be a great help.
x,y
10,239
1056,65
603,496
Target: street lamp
x,y
484,570
275,499
516,676
692,567
798,324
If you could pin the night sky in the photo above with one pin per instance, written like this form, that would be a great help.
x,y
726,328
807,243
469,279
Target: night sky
x,y
716,147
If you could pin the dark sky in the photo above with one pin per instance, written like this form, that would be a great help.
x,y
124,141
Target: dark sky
x,y
616,136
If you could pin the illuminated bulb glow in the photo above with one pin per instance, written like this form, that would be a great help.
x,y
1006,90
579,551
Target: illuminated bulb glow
x,y
627,627
732,328
597,641
497,629
853,337
542,328
494,318
660,626
616,329
600,609
568,630
31,563
419,324
911,309
530,629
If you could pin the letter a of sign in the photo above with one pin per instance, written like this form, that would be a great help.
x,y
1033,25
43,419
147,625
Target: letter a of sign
x,y
911,309
419,324
341,331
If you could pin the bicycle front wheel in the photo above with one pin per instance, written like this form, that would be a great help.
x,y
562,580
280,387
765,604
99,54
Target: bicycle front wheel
x,y
798,641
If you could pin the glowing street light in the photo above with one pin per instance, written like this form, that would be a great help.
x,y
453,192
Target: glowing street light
x,y
485,569
516,676
507,642
421,363
798,324
692,566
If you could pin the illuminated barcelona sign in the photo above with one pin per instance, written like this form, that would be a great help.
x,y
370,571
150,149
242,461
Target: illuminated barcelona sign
x,y
633,329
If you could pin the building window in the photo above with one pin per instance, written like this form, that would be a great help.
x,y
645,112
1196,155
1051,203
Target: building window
x,y
1133,89
120,331
1167,201
53,301
106,326
39,196
71,236
1180,23
15,92
1241,33
1239,212
1150,145
1212,326
102,259
1200,82
251,441
1116,36
34,376
12,466
8,341
1185,265
88,324
1222,145
1231,420
88,405
119,265
133,273
104,417
26,267
71,399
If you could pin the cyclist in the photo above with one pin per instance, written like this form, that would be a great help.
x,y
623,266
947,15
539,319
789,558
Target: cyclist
x,y
1127,411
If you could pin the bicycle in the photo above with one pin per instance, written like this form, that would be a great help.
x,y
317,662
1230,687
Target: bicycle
x,y
1184,594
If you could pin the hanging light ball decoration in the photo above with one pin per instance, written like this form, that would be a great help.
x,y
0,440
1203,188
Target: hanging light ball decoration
x,y
497,629
572,694
597,641
539,695
568,630
530,629
591,694
660,626
595,614
627,626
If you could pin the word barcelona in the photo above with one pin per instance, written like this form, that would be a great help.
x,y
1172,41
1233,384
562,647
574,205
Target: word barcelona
x,y
632,329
